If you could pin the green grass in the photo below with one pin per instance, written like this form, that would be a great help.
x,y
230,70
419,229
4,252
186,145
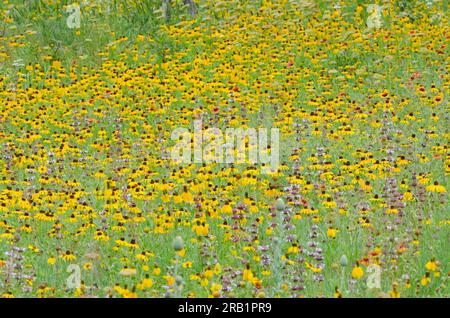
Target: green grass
x,y
131,75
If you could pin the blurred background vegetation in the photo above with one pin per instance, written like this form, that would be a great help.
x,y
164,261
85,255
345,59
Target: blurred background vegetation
x,y
36,31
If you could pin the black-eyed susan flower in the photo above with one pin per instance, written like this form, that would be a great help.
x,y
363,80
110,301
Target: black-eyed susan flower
x,y
436,187
357,271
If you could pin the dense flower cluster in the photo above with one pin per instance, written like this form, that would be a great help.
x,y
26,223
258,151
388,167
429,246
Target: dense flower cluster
x,y
86,176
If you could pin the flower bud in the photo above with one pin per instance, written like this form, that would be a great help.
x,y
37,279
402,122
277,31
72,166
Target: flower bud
x,y
178,243
178,280
279,204
344,260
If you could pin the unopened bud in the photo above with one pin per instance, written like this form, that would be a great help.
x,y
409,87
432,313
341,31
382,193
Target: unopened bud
x,y
178,243
279,204
344,260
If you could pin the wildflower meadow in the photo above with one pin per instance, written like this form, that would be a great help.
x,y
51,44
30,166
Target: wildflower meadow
x,y
207,148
